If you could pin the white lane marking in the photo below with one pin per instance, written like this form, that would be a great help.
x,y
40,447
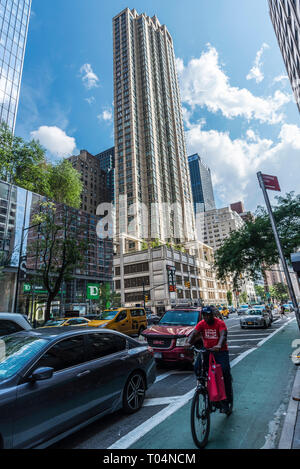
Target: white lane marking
x,y
161,401
244,340
133,436
172,372
275,332
136,434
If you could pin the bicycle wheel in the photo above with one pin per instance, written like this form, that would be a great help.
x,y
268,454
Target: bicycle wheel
x,y
200,418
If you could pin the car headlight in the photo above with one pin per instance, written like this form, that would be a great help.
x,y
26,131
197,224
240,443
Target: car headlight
x,y
103,325
182,342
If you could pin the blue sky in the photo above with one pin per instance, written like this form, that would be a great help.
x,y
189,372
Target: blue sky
x,y
239,121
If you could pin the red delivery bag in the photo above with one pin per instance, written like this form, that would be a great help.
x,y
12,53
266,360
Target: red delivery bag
x,y
215,383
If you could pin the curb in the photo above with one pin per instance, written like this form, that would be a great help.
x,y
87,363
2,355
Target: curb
x,y
288,430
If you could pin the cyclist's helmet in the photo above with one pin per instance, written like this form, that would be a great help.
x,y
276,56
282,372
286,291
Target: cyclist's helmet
x,y
207,310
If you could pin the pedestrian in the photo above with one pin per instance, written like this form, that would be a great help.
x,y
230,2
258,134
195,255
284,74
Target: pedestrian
x,y
282,311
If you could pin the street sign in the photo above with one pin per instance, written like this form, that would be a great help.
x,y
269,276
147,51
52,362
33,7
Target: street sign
x,y
93,291
271,182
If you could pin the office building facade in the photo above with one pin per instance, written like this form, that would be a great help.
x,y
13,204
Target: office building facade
x,y
153,191
14,20
107,164
94,180
17,208
285,16
202,188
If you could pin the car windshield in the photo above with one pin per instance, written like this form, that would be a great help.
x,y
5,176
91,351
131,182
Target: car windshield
x,y
180,318
108,314
15,351
54,322
254,312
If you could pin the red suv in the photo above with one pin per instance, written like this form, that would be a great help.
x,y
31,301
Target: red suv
x,y
168,338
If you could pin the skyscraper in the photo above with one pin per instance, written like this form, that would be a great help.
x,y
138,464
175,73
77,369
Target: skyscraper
x,y
202,188
107,164
285,16
14,19
153,191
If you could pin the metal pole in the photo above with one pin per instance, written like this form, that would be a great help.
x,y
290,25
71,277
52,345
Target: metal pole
x,y
279,247
20,256
144,294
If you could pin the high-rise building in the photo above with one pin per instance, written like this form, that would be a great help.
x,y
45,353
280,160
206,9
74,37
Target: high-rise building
x,y
14,19
202,188
239,208
153,190
285,16
107,163
94,180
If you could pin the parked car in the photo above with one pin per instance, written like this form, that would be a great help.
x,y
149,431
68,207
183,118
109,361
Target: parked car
x,y
288,307
54,381
130,321
13,322
168,338
255,318
242,309
67,322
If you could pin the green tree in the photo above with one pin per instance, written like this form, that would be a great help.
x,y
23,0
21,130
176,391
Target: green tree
x,y
260,291
65,186
246,250
18,158
243,297
61,248
108,298
281,292
229,297
24,164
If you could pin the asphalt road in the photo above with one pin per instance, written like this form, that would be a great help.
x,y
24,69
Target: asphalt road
x,y
173,387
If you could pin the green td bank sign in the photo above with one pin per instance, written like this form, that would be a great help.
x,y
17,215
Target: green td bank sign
x,y
93,291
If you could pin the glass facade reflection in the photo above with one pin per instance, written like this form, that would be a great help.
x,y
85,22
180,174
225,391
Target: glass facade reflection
x,y
202,188
17,209
14,19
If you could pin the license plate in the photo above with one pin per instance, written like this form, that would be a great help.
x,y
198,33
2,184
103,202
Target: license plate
x,y
157,355
249,323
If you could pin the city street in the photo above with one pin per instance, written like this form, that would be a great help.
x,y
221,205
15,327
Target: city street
x,y
171,393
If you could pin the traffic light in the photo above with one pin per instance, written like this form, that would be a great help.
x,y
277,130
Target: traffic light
x,y
146,298
187,284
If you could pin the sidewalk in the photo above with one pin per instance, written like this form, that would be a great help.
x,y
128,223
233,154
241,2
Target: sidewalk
x,y
290,436
264,381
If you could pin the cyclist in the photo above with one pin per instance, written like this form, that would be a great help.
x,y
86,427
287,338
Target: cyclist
x,y
213,333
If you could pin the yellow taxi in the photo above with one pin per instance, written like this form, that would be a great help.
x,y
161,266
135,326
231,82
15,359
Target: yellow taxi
x,y
224,311
67,322
129,321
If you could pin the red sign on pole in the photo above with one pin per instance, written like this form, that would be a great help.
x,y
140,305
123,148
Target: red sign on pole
x,y
271,182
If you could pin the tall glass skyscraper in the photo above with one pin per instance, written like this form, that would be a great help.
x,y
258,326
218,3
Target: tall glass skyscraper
x,y
150,153
202,188
14,19
285,16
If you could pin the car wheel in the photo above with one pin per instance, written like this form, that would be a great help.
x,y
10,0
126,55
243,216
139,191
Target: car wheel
x,y
134,393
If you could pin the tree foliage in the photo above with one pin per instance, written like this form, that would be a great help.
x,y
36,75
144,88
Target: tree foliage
x,y
24,164
248,250
61,248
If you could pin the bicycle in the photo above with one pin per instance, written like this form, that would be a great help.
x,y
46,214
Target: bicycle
x,y
202,407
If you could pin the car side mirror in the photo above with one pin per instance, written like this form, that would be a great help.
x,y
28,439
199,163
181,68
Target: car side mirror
x,y
41,374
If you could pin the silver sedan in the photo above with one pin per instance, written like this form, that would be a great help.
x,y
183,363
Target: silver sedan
x,y
256,318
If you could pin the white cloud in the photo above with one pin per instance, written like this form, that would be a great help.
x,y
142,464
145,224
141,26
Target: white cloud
x,y
90,100
256,71
280,78
89,78
235,162
55,140
203,83
106,115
